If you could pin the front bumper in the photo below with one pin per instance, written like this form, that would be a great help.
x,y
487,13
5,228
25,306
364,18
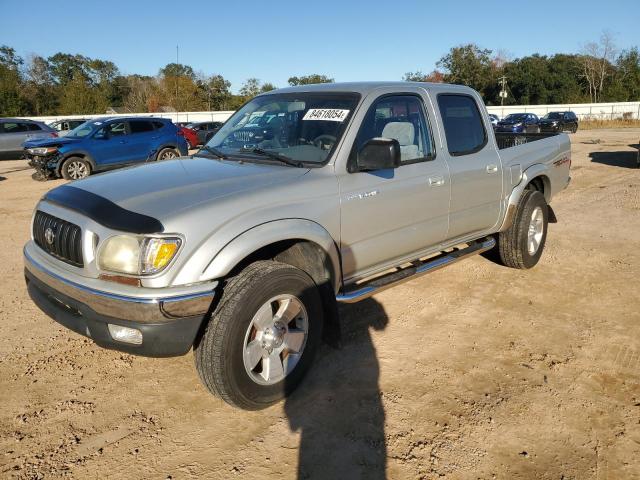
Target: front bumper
x,y
169,324
46,166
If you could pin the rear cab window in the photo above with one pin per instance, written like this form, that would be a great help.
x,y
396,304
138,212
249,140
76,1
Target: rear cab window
x,y
462,122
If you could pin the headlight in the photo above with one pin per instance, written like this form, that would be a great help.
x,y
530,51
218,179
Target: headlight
x,y
42,150
137,255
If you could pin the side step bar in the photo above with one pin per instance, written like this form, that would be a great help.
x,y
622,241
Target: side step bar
x,y
417,269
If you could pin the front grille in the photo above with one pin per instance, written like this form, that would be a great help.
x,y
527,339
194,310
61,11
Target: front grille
x,y
63,241
243,135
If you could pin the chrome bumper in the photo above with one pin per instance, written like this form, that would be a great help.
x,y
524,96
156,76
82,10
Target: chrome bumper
x,y
153,307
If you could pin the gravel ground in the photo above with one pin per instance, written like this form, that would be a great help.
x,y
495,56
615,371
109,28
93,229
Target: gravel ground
x,y
476,371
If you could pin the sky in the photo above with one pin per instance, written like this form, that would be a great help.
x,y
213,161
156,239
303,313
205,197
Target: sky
x,y
274,40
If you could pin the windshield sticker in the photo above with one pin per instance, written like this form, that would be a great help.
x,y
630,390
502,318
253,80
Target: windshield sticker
x,y
326,114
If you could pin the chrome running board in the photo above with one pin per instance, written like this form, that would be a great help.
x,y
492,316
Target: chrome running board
x,y
417,269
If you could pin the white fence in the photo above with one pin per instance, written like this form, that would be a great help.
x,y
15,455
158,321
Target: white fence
x,y
175,117
584,111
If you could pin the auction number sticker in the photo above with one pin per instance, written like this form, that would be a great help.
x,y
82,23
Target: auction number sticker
x,y
326,114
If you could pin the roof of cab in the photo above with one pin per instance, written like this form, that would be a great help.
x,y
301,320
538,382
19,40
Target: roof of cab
x,y
366,87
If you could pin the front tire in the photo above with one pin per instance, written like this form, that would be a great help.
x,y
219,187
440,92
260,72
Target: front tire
x,y
262,337
75,168
521,245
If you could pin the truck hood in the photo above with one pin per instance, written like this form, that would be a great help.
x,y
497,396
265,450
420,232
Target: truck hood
x,y
161,189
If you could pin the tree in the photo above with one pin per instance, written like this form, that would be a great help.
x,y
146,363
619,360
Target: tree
x,y
625,84
39,90
435,77
11,103
309,79
267,87
215,92
468,65
177,70
596,64
250,88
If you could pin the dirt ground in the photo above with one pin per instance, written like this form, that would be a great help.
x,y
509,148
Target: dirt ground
x,y
476,371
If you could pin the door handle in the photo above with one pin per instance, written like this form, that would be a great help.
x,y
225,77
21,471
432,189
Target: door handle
x,y
436,181
493,168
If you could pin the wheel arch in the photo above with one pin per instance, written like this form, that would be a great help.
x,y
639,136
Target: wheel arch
x,y
76,153
298,242
533,178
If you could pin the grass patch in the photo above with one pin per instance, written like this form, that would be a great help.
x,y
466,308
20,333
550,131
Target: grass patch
x,y
616,123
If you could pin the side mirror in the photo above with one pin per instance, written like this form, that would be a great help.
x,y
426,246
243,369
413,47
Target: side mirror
x,y
378,154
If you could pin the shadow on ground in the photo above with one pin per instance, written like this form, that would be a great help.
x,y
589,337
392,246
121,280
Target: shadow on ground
x,y
622,159
338,408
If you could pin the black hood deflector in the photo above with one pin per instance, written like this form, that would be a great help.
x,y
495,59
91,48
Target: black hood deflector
x,y
103,211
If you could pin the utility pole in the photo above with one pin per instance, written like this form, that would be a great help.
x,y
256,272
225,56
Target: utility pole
x,y
503,91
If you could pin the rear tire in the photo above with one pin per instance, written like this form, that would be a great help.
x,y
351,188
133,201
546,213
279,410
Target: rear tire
x,y
75,168
167,154
521,245
247,349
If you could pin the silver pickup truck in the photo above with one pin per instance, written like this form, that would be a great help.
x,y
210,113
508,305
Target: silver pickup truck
x,y
306,197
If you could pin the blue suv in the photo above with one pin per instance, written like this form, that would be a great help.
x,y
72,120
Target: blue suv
x,y
104,144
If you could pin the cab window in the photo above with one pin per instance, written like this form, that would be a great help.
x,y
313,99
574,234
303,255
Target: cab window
x,y
402,118
462,123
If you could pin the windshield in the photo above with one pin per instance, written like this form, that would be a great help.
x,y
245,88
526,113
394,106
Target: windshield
x,y
553,116
83,129
515,117
303,126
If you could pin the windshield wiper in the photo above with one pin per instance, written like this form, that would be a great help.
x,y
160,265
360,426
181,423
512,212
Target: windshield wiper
x,y
275,156
213,151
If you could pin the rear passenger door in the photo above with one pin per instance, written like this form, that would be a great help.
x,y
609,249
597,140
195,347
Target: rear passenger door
x,y
388,215
141,141
474,165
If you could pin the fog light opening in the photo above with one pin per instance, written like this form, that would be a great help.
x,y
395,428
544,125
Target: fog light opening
x,y
125,334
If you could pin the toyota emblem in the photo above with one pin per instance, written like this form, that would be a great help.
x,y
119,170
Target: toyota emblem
x,y
49,236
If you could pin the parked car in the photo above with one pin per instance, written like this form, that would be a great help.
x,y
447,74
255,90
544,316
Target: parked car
x,y
65,126
190,136
494,119
519,123
204,130
15,131
559,122
343,194
104,144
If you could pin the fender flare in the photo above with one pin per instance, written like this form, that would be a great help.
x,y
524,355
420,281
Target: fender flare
x,y
266,234
536,170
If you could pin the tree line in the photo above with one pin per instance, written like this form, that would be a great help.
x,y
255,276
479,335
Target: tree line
x,y
599,73
66,84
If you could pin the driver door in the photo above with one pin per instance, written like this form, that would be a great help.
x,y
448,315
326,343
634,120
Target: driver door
x,y
391,215
111,144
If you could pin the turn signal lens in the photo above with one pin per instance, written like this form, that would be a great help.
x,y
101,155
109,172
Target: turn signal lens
x,y
158,253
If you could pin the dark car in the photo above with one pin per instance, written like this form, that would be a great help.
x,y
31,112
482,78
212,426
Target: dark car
x,y
104,144
559,122
204,130
519,123
15,131
494,119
